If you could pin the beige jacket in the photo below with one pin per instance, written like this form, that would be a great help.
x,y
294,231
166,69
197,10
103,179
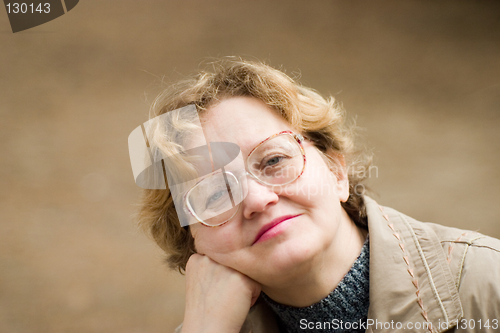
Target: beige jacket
x,y
423,276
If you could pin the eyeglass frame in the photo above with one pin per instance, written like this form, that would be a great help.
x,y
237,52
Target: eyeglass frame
x,y
297,137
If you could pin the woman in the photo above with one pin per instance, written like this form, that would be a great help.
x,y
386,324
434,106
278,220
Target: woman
x,y
276,235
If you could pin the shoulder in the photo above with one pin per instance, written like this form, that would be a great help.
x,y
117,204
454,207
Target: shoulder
x,y
466,250
474,262
478,279
472,256
452,240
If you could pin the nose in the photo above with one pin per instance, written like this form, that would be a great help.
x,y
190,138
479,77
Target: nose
x,y
258,199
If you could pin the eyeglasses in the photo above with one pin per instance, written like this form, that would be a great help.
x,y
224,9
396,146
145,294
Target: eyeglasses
x,y
278,160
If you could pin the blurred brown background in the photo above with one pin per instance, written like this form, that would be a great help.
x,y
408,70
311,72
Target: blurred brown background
x,y
422,78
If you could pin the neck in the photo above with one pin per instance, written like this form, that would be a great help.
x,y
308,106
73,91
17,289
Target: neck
x,y
315,280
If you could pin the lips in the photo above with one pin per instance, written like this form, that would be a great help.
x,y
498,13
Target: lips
x,y
266,228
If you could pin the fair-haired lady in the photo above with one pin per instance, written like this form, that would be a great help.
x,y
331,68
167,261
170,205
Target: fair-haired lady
x,y
282,238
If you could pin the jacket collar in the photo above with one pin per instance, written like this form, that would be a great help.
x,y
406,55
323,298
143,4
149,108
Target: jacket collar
x,y
410,279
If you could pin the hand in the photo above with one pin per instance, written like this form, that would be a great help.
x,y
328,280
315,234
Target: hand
x,y
217,297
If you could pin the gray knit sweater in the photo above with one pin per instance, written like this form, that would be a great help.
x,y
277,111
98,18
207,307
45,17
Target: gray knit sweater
x,y
343,310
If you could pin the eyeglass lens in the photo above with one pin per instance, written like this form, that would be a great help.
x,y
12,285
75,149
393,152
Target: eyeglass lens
x,y
277,161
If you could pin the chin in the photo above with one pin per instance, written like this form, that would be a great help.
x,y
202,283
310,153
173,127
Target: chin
x,y
288,258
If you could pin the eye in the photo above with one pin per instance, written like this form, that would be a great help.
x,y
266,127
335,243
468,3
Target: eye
x,y
214,197
273,161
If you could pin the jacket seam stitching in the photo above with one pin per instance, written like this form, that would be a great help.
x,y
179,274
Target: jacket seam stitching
x,y
451,247
484,247
462,262
409,269
470,241
427,268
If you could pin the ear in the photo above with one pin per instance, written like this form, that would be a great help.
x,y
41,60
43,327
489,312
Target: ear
x,y
338,168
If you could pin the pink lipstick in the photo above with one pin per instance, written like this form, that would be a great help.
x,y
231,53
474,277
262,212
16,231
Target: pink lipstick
x,y
273,228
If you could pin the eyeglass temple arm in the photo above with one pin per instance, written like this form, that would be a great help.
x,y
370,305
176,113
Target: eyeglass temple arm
x,y
227,186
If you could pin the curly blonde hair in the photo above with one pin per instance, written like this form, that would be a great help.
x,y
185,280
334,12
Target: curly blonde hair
x,y
320,120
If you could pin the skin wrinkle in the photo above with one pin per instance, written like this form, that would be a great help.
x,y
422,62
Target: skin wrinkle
x,y
321,120
315,250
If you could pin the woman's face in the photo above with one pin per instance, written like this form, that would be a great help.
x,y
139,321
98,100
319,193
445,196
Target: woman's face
x,y
305,215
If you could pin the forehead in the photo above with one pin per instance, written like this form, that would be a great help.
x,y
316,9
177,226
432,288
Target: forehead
x,y
245,121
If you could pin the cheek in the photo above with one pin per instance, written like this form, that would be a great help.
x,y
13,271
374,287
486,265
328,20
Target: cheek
x,y
316,184
213,242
